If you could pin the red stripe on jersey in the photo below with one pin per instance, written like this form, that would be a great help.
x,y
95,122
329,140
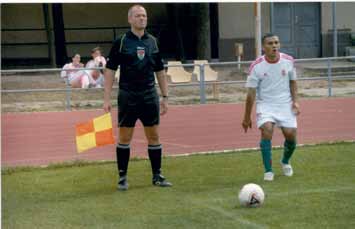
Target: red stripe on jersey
x,y
287,57
257,61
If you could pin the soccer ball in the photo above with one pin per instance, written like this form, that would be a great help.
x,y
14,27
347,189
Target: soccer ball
x,y
251,195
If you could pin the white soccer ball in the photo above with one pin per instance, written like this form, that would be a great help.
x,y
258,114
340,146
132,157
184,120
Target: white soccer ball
x,y
251,195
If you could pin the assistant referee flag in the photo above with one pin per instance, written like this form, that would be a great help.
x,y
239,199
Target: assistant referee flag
x,y
96,132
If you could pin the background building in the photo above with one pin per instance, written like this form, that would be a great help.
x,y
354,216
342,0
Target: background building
x,y
305,29
48,34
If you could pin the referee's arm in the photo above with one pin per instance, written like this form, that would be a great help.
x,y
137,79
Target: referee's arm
x,y
163,85
108,83
113,61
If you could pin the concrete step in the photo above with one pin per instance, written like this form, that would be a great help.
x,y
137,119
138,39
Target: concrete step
x,y
336,73
341,67
335,68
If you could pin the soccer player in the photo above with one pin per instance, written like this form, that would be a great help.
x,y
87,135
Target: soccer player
x,y
138,55
272,82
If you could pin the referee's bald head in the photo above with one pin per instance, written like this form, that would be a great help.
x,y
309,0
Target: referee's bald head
x,y
136,6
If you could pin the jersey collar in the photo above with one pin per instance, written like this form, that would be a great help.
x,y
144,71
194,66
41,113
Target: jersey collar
x,y
130,34
273,61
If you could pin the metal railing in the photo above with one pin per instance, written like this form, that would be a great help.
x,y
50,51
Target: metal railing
x,y
202,83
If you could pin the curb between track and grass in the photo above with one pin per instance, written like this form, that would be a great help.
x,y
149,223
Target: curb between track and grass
x,y
79,163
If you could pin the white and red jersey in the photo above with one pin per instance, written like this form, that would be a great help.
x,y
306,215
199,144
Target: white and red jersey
x,y
69,70
94,63
272,79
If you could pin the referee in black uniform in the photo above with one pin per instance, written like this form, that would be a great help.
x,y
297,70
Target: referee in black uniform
x,y
137,54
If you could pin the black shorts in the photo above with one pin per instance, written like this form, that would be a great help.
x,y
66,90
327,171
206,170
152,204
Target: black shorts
x,y
143,105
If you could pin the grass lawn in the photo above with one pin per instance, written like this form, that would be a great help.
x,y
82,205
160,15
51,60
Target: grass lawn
x,y
321,194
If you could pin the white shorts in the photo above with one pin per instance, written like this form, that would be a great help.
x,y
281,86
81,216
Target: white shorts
x,y
280,114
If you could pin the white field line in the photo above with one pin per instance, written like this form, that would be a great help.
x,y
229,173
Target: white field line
x,y
234,217
311,191
11,164
254,148
241,220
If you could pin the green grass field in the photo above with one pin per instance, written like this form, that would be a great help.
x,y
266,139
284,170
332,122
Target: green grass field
x,y
321,194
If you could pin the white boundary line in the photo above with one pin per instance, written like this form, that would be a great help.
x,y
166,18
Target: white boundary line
x,y
235,217
311,191
88,161
255,148
228,214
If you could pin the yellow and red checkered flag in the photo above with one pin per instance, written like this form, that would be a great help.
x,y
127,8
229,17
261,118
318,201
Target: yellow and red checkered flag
x,y
96,132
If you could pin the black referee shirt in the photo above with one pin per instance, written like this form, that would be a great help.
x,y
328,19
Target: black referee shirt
x,y
138,59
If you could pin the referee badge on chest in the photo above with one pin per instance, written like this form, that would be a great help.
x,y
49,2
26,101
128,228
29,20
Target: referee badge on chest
x,y
140,52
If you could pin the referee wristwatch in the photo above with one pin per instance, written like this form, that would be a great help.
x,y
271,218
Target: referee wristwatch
x,y
165,97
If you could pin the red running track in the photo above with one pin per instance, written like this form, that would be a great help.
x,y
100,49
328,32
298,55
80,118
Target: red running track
x,y
42,138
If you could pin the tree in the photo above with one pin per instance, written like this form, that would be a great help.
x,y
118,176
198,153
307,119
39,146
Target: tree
x,y
59,34
190,26
203,31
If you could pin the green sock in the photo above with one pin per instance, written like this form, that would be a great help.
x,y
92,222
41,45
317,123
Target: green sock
x,y
265,146
289,148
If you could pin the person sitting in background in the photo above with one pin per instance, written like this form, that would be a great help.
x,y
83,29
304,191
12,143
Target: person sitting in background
x,y
96,76
76,78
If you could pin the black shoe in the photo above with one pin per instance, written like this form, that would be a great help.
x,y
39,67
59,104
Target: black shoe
x,y
159,180
122,183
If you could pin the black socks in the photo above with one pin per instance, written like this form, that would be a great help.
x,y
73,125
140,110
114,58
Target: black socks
x,y
155,154
122,154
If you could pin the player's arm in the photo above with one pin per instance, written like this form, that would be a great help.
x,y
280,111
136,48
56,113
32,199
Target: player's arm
x,y
247,123
163,85
294,90
251,84
294,95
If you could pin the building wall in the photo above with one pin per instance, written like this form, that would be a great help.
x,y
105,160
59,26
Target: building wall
x,y
102,15
345,23
23,16
92,15
75,15
237,24
344,19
